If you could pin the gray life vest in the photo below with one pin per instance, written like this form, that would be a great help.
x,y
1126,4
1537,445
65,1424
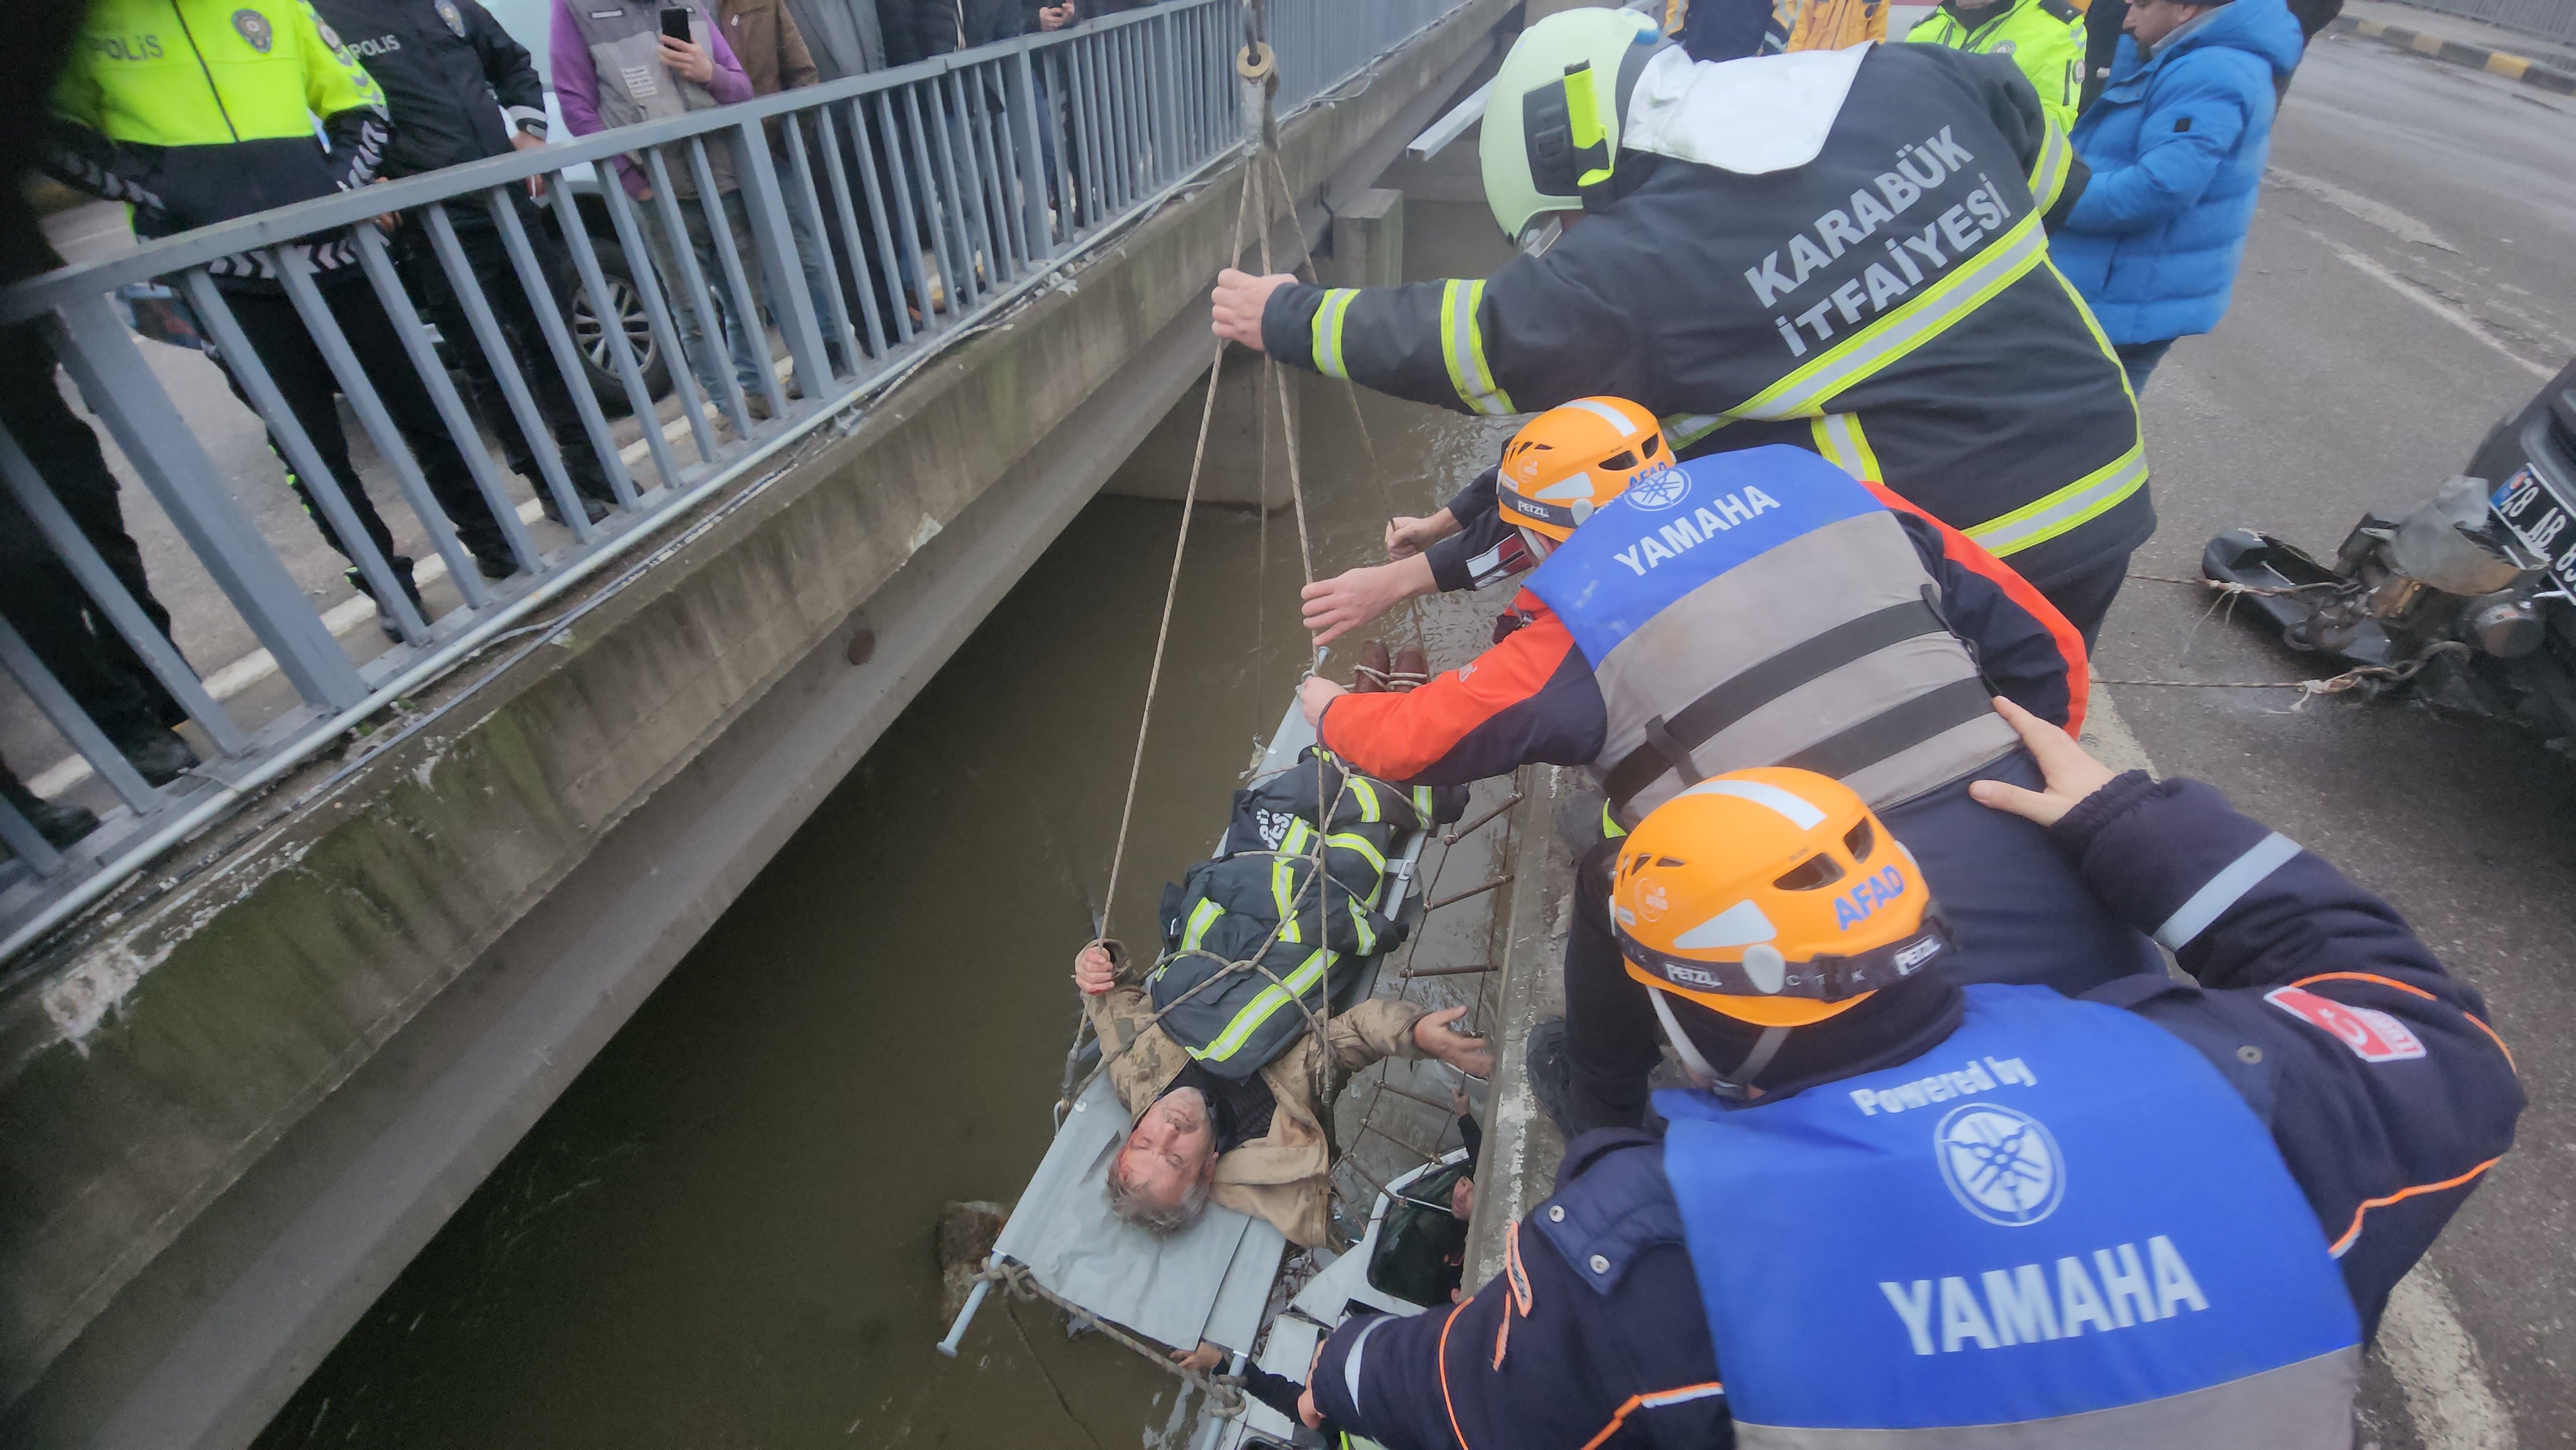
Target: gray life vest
x,y
1761,608
625,43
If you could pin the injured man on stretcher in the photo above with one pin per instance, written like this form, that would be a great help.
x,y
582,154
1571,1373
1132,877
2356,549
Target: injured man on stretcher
x,y
1254,1143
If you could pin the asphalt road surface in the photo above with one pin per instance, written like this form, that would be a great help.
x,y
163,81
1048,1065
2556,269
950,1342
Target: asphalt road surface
x,y
2412,277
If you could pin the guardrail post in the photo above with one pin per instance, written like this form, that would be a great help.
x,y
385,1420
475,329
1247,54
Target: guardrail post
x,y
122,391
81,557
785,270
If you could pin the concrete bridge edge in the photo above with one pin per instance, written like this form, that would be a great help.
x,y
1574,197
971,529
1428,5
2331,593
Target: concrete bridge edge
x,y
221,1305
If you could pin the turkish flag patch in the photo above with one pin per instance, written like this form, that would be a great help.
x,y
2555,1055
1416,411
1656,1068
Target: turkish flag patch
x,y
2373,1036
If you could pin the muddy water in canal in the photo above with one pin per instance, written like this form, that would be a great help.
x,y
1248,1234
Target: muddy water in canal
x,y
721,1234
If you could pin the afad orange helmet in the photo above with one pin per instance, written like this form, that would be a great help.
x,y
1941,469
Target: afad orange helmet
x,y
1773,896
1574,458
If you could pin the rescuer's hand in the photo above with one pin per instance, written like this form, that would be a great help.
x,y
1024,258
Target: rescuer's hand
x,y
1314,694
1095,971
1306,1412
689,59
1202,1360
1407,536
1336,606
1055,17
1240,299
1437,1034
522,141
2071,774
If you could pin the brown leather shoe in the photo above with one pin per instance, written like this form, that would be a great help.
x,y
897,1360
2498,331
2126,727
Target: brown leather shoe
x,y
1368,676
1412,670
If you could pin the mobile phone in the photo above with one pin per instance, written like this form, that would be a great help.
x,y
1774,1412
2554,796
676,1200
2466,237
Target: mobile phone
x,y
675,22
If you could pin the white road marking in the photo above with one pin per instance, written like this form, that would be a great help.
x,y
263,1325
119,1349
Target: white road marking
x,y
2436,1365
2421,1339
340,618
2452,313
2378,213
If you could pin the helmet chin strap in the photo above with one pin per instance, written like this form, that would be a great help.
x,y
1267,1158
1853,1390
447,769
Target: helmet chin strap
x,y
1696,1067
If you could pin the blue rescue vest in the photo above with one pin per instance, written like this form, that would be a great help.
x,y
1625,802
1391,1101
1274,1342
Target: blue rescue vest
x,y
1760,607
2062,1210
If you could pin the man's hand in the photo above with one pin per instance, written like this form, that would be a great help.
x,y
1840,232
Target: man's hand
x,y
522,141
1313,694
1437,1034
1239,301
689,60
1307,1414
2071,774
1202,1360
1094,970
1336,606
1407,536
390,220
1056,17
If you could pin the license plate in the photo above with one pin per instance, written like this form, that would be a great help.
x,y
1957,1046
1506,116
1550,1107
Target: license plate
x,y
2543,521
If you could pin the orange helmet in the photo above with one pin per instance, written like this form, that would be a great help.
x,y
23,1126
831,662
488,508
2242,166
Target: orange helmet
x,y
1773,896
1572,459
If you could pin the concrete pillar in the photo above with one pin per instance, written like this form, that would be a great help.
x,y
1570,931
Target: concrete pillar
x,y
1368,241
1233,472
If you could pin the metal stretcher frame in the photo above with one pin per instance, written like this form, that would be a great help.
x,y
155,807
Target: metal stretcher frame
x,y
1212,1280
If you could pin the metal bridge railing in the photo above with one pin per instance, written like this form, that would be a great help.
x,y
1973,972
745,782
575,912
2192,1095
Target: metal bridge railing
x,y
2547,19
941,191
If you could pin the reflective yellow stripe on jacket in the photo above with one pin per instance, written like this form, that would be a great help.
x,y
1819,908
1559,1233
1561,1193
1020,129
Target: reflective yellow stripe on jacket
x,y
1918,320
1328,331
1263,1006
2068,508
1462,346
1839,439
2048,174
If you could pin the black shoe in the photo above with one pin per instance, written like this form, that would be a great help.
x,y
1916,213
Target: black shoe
x,y
60,825
156,753
384,616
498,564
593,508
1550,1078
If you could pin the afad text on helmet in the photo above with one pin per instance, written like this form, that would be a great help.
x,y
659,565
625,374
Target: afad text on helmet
x,y
1912,259
1979,1076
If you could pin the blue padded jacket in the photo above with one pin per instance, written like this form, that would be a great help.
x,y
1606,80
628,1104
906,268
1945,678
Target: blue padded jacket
x,y
2177,144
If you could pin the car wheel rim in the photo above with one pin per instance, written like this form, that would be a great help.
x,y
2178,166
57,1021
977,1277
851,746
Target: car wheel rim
x,y
592,339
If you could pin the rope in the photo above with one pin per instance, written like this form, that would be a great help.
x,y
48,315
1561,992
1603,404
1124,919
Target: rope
x,y
2355,678
1171,593
1351,394
2351,679
1225,1397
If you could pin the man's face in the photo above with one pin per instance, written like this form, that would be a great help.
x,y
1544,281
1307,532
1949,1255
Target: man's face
x,y
2152,20
1169,1148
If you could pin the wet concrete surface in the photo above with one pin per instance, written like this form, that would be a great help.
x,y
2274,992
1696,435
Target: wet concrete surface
x,y
2412,278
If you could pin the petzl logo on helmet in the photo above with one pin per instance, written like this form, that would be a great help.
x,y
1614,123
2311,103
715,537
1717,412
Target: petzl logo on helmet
x,y
2001,1165
255,32
1660,489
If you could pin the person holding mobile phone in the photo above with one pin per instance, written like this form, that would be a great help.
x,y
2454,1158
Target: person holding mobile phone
x,y
618,64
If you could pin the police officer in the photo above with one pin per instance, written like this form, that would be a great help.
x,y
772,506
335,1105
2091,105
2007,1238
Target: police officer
x,y
1843,250
2044,37
443,64
1894,1211
1749,608
199,111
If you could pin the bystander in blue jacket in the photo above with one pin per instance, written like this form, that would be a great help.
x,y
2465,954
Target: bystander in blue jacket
x,y
2176,144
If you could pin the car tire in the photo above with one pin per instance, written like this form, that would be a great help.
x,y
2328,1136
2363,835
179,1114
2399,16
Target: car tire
x,y
598,363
